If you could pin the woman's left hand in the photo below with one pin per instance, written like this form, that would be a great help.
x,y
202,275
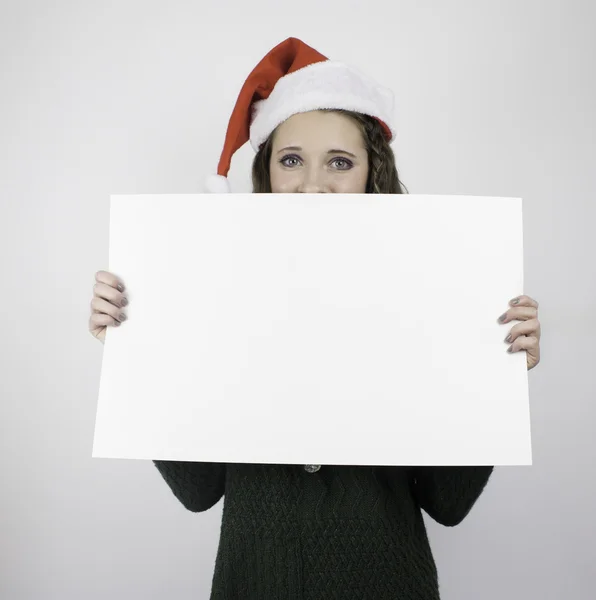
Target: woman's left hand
x,y
526,335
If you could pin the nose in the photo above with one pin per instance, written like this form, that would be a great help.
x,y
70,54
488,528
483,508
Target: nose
x,y
313,182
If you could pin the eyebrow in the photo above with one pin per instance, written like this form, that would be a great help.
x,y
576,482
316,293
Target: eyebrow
x,y
333,151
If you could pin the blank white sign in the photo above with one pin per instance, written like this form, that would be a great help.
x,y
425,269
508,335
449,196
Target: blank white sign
x,y
340,329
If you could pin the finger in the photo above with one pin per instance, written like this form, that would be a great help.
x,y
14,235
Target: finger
x,y
525,342
528,328
520,313
530,345
110,279
100,305
106,291
102,320
524,301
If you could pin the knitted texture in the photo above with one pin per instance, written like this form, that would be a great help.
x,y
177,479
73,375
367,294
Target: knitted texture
x,y
343,532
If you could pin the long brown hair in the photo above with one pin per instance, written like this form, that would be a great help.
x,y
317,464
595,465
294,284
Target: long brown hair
x,y
382,172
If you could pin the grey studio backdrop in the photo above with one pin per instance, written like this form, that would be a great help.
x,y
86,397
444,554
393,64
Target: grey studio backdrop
x,y
100,98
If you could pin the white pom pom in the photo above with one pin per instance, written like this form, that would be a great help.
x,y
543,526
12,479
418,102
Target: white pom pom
x,y
217,184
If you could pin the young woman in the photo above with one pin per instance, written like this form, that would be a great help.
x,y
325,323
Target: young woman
x,y
311,531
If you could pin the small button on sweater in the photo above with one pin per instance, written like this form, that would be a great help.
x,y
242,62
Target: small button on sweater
x,y
332,533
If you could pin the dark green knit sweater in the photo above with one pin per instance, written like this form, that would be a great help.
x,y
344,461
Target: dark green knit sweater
x,y
341,532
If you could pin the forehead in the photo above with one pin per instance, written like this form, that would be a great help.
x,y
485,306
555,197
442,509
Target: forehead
x,y
318,127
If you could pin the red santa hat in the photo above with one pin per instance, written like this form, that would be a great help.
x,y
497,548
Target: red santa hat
x,y
293,78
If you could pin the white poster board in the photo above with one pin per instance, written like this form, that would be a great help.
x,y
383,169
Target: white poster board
x,y
340,329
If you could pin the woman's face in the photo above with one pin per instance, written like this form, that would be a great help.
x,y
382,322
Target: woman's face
x,y
318,153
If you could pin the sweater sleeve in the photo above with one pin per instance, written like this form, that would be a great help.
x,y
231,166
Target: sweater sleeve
x,y
448,494
197,485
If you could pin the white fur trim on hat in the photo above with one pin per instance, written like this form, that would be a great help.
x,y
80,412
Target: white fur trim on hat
x,y
217,184
327,84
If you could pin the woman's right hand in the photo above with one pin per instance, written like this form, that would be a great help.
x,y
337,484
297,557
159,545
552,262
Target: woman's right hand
x,y
107,304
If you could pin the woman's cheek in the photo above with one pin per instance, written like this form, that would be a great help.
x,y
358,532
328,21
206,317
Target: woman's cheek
x,y
355,184
282,183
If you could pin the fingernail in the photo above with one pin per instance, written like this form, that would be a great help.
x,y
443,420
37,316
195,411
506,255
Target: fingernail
x,y
510,349
120,287
515,301
503,317
508,338
124,301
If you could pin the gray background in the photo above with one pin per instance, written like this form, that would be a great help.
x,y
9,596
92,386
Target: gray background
x,y
100,98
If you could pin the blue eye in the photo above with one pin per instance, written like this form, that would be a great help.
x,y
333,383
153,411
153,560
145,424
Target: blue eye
x,y
346,161
289,156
